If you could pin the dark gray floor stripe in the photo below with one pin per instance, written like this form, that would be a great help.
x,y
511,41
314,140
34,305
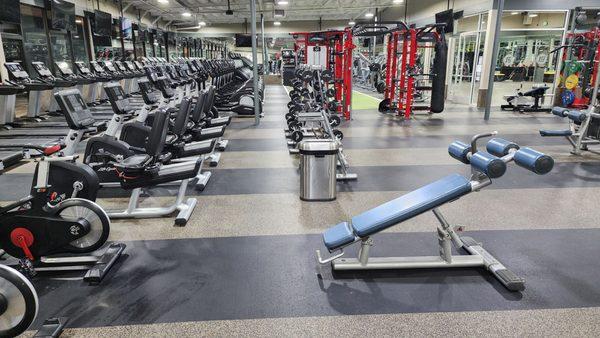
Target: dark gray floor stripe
x,y
387,142
387,178
276,276
386,122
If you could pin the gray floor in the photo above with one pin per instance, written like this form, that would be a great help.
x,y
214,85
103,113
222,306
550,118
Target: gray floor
x,y
245,265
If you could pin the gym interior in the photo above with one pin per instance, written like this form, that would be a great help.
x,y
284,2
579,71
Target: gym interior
x,y
297,168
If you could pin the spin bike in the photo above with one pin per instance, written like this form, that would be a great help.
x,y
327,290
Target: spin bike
x,y
49,230
34,226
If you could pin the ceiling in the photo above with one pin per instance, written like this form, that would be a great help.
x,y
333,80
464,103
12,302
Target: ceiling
x,y
213,11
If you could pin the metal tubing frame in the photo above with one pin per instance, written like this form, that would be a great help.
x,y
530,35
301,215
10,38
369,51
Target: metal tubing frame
x,y
254,63
499,7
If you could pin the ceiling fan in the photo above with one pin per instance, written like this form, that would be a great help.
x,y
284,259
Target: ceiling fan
x,y
228,11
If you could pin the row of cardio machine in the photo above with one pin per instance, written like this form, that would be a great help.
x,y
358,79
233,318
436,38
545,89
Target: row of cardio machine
x,y
156,127
232,81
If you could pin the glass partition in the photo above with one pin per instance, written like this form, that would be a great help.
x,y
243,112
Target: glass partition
x,y
35,42
467,59
78,41
525,57
149,45
61,50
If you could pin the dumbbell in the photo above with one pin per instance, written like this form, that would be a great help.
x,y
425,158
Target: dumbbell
x,y
334,120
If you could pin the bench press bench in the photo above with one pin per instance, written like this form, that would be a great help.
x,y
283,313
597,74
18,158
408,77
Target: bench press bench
x,y
485,166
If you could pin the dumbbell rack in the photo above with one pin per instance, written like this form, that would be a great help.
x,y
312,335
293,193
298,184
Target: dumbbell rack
x,y
317,124
339,61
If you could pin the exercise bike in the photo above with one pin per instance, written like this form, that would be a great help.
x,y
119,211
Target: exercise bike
x,y
48,230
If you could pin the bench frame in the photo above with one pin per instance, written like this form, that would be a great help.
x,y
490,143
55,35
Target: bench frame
x,y
447,235
580,139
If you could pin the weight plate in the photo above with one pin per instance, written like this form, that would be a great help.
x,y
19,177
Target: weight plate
x,y
571,81
334,120
567,98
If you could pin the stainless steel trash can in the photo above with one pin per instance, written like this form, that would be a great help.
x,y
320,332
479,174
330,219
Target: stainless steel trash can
x,y
318,170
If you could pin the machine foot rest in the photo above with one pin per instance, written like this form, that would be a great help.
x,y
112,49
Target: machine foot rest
x,y
52,327
185,211
97,272
346,177
510,280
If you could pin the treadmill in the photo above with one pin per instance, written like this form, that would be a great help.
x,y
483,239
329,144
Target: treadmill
x,y
42,134
44,74
97,77
21,128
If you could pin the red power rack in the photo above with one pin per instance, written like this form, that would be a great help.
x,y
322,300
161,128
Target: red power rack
x,y
403,43
339,46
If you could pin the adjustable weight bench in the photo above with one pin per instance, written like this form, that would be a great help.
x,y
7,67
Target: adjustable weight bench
x,y
519,102
485,166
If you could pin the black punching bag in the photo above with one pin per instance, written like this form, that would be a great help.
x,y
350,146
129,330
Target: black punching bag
x,y
438,82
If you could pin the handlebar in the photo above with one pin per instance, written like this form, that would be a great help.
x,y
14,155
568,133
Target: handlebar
x,y
46,150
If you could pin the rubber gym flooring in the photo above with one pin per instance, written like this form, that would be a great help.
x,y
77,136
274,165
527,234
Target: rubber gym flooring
x,y
245,263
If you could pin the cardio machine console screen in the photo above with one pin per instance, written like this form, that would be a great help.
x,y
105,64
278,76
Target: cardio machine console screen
x,y
16,70
97,67
82,68
64,68
41,69
109,66
76,111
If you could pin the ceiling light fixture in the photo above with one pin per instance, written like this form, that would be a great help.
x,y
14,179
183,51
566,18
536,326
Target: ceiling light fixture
x,y
514,13
186,14
369,15
352,23
277,23
202,23
398,1
532,15
163,1
282,2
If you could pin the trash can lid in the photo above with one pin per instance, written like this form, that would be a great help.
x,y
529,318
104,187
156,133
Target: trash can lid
x,y
318,147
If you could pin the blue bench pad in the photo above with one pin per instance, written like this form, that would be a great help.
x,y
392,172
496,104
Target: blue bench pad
x,y
555,132
410,205
338,236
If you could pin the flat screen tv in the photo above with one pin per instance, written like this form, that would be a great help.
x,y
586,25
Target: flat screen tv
x,y
446,17
102,40
243,40
127,27
62,15
102,23
10,11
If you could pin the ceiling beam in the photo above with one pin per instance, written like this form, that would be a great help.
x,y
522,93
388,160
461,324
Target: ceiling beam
x,y
127,7
144,15
156,20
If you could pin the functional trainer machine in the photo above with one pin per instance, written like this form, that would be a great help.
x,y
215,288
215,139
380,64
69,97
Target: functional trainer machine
x,y
485,166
